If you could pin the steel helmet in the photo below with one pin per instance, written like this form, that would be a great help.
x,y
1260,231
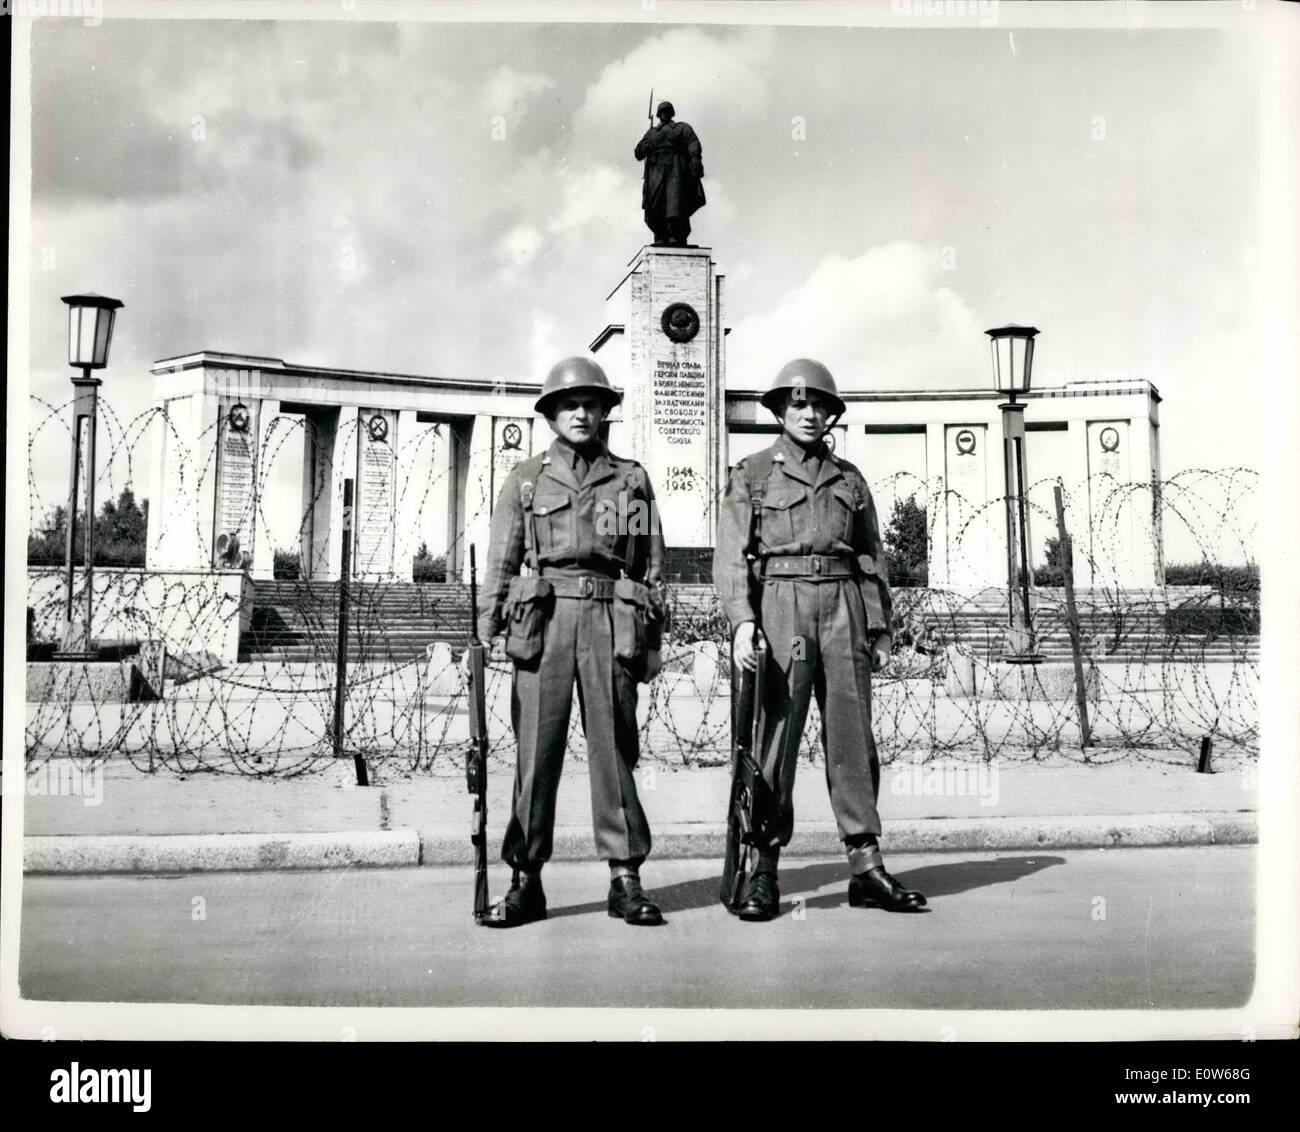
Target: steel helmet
x,y
803,373
577,373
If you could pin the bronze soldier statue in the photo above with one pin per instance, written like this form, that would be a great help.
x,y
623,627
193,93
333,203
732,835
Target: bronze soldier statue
x,y
671,190
589,612
799,549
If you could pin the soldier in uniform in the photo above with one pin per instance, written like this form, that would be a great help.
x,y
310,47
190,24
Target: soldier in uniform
x,y
799,550
589,612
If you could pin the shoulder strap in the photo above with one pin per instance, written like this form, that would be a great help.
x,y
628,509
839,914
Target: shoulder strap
x,y
530,528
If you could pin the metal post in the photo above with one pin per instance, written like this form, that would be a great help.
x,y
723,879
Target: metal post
x,y
91,429
341,661
1072,615
1024,535
77,640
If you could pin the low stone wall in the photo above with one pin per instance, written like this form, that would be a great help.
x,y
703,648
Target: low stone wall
x,y
190,611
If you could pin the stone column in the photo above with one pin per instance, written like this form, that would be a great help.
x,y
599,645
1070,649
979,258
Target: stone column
x,y
973,477
376,494
475,494
936,481
671,356
318,491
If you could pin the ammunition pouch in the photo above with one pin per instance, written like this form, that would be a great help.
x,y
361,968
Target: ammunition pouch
x,y
631,612
528,605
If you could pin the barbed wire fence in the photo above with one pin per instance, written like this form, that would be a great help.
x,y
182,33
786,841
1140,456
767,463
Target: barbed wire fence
x,y
1168,665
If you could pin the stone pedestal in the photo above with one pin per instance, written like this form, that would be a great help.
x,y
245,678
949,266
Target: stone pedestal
x,y
664,348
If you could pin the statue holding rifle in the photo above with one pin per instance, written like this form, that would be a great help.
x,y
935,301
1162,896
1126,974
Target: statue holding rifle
x,y
672,190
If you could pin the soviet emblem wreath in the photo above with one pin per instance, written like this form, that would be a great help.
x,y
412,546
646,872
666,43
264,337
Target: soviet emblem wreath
x,y
238,418
377,426
680,322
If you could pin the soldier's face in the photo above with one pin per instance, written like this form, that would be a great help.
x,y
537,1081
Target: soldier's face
x,y
805,417
577,417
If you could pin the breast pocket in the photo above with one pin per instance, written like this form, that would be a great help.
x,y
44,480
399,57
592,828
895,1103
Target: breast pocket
x,y
554,517
778,517
841,510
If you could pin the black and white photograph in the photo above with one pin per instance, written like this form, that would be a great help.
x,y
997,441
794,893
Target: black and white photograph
x,y
650,521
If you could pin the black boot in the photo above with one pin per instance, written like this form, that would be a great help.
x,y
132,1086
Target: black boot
x,y
877,889
629,903
524,903
762,898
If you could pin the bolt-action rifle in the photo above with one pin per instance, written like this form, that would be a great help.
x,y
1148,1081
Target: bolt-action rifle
x,y
476,760
751,811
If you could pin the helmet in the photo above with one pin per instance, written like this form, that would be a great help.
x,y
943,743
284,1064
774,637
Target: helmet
x,y
664,109
803,373
577,373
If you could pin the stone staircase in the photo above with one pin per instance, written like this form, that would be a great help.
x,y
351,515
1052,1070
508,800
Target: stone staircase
x,y
393,623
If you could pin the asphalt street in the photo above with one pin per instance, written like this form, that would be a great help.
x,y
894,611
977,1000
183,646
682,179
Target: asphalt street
x,y
1089,929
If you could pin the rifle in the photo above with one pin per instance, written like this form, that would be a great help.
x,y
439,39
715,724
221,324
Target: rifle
x,y
650,109
750,811
476,760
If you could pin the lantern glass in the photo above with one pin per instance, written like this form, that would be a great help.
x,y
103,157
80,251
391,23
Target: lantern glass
x,y
1013,358
90,329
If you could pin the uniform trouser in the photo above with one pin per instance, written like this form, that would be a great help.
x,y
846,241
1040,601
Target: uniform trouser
x,y
667,227
817,637
578,644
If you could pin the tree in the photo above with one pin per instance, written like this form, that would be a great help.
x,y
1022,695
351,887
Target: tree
x,y
907,543
121,534
1052,572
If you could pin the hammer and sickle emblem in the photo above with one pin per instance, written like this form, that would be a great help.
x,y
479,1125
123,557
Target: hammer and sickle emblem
x,y
238,418
1109,439
965,442
377,427
511,436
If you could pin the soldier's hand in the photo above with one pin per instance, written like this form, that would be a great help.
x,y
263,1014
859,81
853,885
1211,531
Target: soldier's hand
x,y
654,661
880,652
743,650
498,648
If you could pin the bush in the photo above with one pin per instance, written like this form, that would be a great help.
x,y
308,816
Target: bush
x,y
1242,580
286,567
427,569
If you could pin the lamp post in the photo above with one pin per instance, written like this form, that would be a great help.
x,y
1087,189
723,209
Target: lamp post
x,y
1013,363
90,331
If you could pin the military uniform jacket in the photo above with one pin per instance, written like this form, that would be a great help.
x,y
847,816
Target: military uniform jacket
x,y
607,524
774,507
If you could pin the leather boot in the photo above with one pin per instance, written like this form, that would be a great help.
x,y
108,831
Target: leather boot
x,y
877,889
628,902
522,904
762,898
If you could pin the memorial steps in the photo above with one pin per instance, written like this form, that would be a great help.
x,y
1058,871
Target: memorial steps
x,y
393,622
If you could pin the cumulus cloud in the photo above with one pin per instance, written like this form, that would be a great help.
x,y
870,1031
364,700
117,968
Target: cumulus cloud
x,y
517,249
705,75
884,319
509,92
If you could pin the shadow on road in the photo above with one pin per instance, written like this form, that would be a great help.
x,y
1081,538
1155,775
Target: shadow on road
x,y
936,881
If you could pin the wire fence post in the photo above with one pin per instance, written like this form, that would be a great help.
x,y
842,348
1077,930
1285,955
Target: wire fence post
x,y
341,661
1072,617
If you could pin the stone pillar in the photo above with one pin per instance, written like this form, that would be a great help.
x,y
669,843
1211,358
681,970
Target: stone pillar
x,y
475,491
936,480
671,357
1110,502
376,495
207,462
974,534
318,490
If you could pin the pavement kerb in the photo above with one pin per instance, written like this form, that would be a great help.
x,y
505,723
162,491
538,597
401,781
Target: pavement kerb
x,y
408,847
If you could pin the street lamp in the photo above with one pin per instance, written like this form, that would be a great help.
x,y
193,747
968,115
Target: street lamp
x,y
1013,363
90,331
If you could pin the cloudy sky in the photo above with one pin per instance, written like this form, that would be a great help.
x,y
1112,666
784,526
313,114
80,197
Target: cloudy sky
x,y
458,199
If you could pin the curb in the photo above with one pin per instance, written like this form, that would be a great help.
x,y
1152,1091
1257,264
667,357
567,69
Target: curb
x,y
221,852
227,852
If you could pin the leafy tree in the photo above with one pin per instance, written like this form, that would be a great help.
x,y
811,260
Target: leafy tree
x,y
121,534
907,543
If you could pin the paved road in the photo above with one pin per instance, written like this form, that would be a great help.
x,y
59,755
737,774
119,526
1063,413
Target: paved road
x,y
1016,931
